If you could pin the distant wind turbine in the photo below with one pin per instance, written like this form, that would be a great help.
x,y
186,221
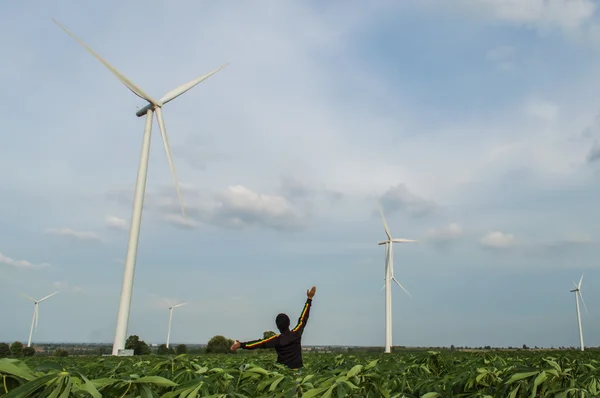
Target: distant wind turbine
x,y
153,106
578,295
389,277
36,312
171,308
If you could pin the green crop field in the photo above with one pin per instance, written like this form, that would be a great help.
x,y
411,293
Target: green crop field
x,y
427,374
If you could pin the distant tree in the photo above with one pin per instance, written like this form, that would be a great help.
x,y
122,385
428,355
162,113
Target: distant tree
x,y
219,344
525,347
181,349
196,350
452,348
138,346
162,350
4,350
61,352
16,349
268,333
28,351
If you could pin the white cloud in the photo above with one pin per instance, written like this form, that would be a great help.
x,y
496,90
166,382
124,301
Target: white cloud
x,y
234,207
444,234
502,57
545,111
116,223
497,240
77,235
594,153
400,198
565,14
501,240
24,264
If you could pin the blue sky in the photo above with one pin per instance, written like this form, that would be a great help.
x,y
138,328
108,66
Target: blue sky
x,y
475,124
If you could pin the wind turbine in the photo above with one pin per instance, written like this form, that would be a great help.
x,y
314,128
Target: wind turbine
x,y
153,106
171,308
577,291
36,312
389,277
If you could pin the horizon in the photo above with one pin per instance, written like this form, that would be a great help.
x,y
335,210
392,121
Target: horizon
x,y
476,124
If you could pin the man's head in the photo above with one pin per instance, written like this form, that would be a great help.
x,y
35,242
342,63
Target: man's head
x,y
283,322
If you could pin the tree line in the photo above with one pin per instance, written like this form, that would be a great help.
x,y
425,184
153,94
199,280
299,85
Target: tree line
x,y
217,344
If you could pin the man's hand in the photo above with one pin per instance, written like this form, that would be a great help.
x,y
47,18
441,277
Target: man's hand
x,y
311,293
235,346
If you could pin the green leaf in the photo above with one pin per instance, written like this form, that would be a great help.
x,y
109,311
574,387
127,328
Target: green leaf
x,y
313,392
156,380
27,389
354,371
538,380
371,364
258,370
9,368
520,376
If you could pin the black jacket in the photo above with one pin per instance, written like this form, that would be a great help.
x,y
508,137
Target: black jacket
x,y
287,344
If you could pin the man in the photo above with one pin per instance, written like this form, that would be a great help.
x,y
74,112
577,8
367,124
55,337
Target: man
x,y
287,344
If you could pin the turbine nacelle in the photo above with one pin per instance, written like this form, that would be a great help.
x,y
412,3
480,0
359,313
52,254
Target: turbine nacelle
x,y
177,305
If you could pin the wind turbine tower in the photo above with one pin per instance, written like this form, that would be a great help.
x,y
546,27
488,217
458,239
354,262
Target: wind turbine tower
x,y
171,308
36,314
578,295
389,277
153,106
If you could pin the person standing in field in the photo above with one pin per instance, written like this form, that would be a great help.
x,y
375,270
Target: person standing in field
x,y
287,344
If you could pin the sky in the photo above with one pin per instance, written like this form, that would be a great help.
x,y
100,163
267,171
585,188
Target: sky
x,y
475,123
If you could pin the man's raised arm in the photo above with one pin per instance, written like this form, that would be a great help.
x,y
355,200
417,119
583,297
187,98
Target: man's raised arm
x,y
303,319
270,342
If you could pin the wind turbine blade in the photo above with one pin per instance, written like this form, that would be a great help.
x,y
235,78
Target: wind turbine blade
x,y
163,132
580,280
385,226
29,297
176,92
583,302
168,303
400,240
179,305
130,85
48,296
398,283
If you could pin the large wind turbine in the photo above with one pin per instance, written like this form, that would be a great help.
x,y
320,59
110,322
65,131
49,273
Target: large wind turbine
x,y
578,295
171,308
153,106
389,277
36,312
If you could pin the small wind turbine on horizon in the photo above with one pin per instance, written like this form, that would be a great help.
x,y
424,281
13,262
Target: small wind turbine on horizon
x,y
578,295
153,106
171,308
36,314
389,277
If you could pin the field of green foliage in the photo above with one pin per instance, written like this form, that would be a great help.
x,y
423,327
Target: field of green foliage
x,y
428,374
